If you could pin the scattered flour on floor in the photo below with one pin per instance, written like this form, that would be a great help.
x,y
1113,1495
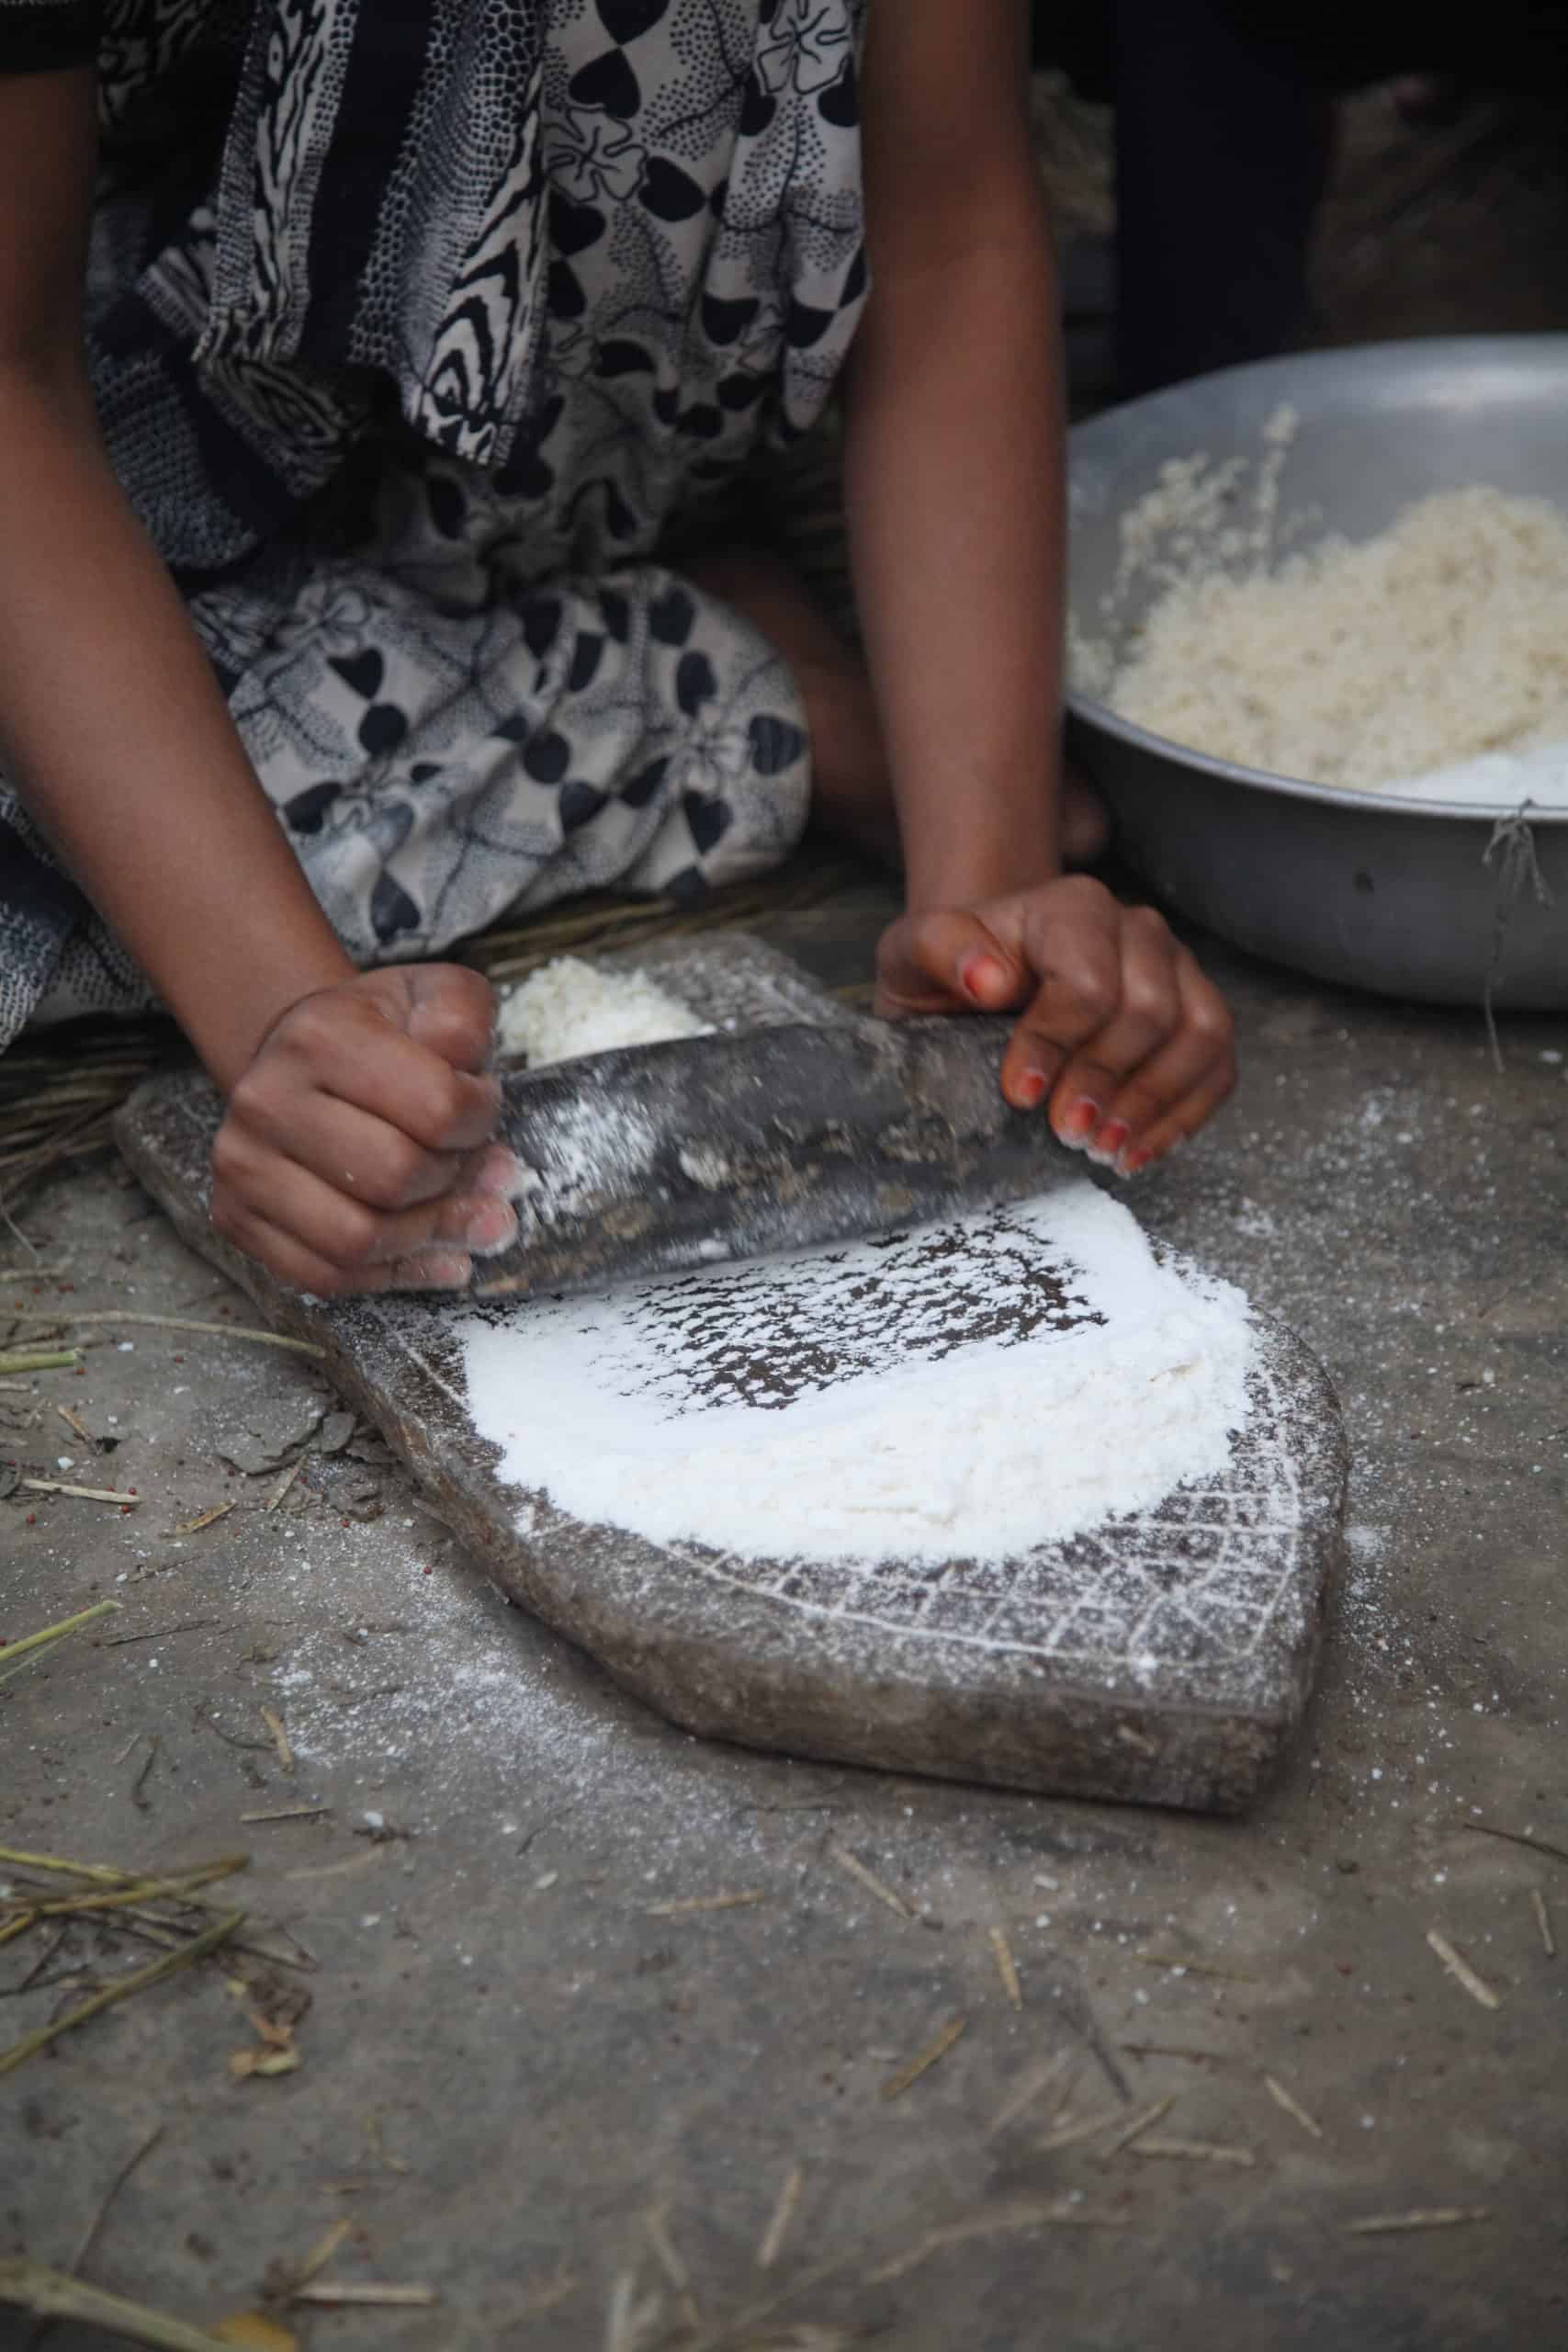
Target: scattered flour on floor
x,y
963,1391
1429,661
570,1008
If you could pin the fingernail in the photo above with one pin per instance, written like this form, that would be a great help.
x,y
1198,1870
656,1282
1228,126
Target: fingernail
x,y
500,1171
442,1269
1080,1122
1132,1163
981,975
491,1224
1110,1143
1029,1092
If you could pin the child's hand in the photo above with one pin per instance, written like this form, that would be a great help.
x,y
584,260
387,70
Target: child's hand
x,y
356,1155
1135,1047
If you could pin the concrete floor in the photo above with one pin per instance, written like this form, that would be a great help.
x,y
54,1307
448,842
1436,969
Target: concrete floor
x,y
572,2117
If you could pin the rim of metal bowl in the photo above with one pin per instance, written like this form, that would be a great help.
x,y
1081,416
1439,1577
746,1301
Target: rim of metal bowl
x,y
1335,795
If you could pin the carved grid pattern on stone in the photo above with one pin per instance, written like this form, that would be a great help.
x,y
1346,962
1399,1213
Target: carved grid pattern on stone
x,y
1200,1577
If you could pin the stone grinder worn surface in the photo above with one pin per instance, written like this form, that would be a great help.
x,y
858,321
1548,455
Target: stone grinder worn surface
x,y
1165,1657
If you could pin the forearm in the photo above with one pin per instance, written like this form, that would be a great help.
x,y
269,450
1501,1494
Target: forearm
x,y
116,736
955,507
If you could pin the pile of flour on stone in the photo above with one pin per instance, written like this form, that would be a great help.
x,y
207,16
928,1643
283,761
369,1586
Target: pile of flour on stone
x,y
963,1391
569,1008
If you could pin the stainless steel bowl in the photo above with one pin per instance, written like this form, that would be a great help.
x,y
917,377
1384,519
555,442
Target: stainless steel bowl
x,y
1407,898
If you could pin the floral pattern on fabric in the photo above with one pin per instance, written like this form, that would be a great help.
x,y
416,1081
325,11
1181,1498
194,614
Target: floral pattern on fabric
x,y
595,255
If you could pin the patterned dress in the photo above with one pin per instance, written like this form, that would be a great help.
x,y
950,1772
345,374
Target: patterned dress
x,y
414,326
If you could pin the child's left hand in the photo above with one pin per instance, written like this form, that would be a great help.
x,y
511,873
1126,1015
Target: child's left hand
x,y
1134,1046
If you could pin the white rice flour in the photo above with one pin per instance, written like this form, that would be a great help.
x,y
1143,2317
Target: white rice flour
x,y
569,1008
967,1391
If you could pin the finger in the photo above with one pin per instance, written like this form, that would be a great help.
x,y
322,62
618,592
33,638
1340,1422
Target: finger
x,y
347,1234
1191,1113
355,1152
349,1049
1198,1066
1149,1015
1078,996
452,1011
290,1262
933,963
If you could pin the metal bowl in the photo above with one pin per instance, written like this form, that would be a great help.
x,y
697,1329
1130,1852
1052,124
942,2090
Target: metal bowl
x,y
1409,898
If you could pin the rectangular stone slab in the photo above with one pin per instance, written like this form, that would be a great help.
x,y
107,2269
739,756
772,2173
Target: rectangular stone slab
x,y
1165,1659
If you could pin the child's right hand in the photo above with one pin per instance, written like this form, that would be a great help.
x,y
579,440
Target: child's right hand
x,y
356,1152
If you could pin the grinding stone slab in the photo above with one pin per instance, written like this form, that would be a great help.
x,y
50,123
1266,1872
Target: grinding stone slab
x,y
1165,1659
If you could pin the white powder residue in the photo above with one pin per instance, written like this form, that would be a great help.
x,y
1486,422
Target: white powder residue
x,y
569,1008
967,1391
586,1149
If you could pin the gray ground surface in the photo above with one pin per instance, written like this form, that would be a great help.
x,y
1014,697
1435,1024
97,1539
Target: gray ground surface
x,y
574,2117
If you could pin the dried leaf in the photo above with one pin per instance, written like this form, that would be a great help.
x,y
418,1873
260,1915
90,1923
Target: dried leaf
x,y
254,2328
278,2037
246,2062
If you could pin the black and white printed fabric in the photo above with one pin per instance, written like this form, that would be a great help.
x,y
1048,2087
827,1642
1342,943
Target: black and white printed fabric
x,y
414,325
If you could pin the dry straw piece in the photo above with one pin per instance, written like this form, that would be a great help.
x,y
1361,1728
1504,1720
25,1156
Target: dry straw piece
x,y
32,1646
52,2294
1194,2152
1524,1838
1034,2087
274,1723
366,2293
118,1316
121,1989
1083,2127
1544,1921
1007,1967
1134,2127
884,1894
82,1494
898,2083
203,1519
688,1907
1459,1969
1007,2220
1423,2217
1293,2106
783,2215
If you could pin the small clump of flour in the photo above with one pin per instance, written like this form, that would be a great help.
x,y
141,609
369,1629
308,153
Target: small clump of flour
x,y
569,1008
967,1391
1429,661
